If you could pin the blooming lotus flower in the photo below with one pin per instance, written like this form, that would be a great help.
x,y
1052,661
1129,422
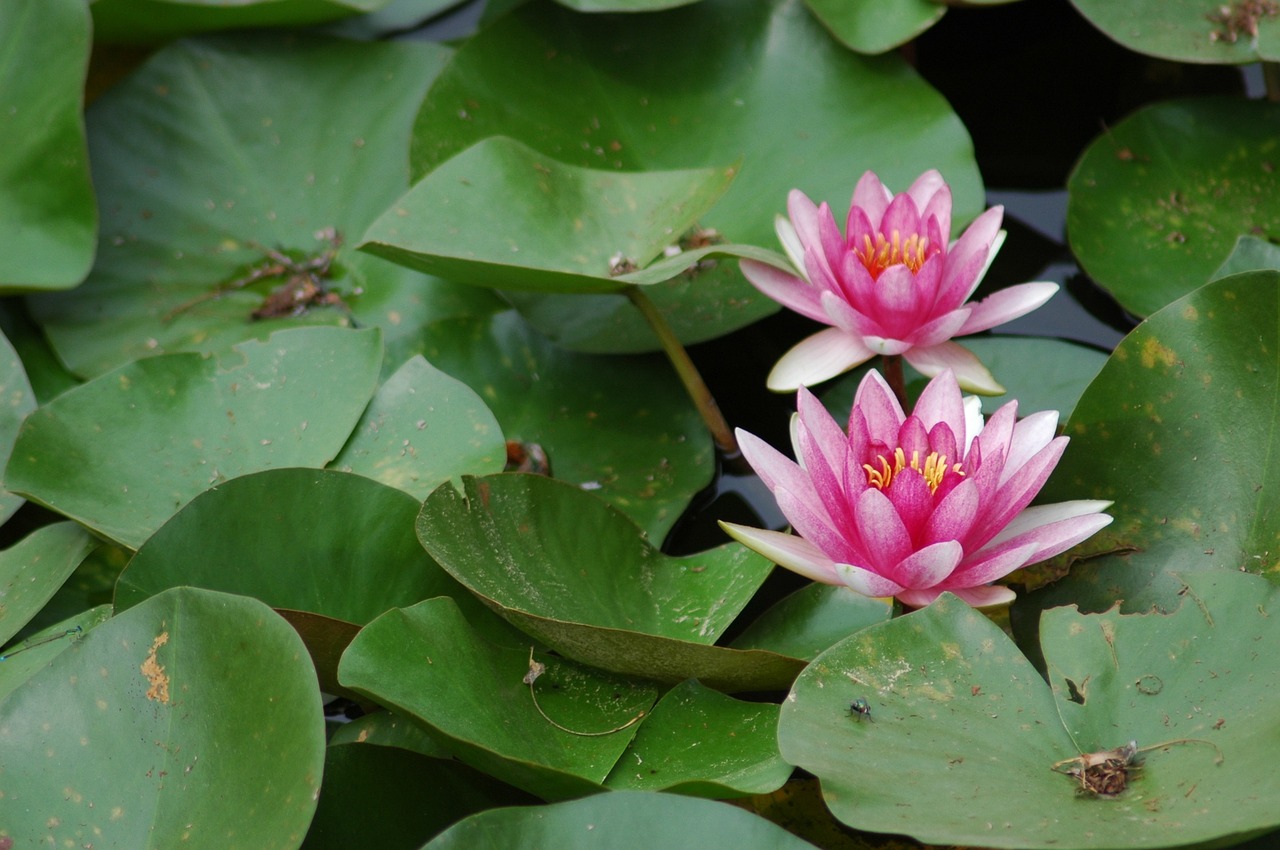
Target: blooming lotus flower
x,y
892,284
911,506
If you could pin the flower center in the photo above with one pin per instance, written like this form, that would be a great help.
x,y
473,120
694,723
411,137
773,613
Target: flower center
x,y
883,253
934,469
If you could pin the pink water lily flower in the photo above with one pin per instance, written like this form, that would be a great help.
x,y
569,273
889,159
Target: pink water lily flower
x,y
891,284
911,506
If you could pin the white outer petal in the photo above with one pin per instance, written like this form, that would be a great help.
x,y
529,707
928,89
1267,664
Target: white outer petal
x,y
816,359
786,550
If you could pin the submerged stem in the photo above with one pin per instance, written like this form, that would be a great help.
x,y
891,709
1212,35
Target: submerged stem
x,y
893,375
689,375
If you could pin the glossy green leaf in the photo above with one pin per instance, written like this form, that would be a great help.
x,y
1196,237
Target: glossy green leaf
x,y
622,427
1157,202
253,144
45,374
33,569
1190,30
625,820
963,734
1178,429
1249,254
623,5
122,453
421,429
193,718
592,91
91,585
813,618
23,659
426,662
564,567
393,18
159,20
393,799
17,399
388,729
876,26
699,742
47,210
502,214
309,540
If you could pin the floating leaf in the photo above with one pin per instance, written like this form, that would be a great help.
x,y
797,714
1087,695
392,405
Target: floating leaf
x,y
1249,254
421,429
630,819
122,453
1232,33
876,26
388,729
24,659
427,663
159,20
1184,410
700,742
502,214
564,567
963,735
1157,202
645,451
17,399
135,736
808,621
262,143
33,569
47,209
725,86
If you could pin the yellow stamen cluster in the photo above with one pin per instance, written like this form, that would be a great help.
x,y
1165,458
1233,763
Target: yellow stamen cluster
x,y
934,469
883,253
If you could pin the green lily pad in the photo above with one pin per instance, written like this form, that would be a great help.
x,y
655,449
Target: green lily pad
x,y
394,799
135,735
313,541
1189,30
141,21
91,585
502,214
1184,408
426,662
421,429
1249,254
876,26
47,209
24,659
388,729
623,5
261,143
699,742
591,91
122,453
813,618
47,377
963,735
393,18
627,820
645,451
573,572
1157,202
17,399
33,569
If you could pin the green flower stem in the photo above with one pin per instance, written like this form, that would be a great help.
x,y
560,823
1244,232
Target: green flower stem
x,y
892,365
689,376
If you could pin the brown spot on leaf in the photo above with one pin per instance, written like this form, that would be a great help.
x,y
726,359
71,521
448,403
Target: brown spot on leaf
x,y
157,679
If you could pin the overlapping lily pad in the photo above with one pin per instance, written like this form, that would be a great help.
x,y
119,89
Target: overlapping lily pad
x,y
427,663
158,20
963,734
574,573
622,427
33,569
876,26
620,819
255,144
1190,30
592,90
122,453
813,618
700,742
502,214
25,658
47,209
1157,202
1178,429
135,736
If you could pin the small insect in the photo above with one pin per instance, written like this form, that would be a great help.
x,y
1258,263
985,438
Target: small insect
x,y
34,643
860,709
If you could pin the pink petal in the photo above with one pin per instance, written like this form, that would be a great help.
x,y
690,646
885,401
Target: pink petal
x,y
879,407
1054,528
969,257
790,240
985,596
939,329
929,566
901,217
897,307
788,290
804,215
886,346
840,314
918,598
786,550
1029,437
866,582
926,190
1038,515
970,373
818,358
1007,304
913,500
1016,494
812,520
883,533
871,196
990,564
941,402
954,515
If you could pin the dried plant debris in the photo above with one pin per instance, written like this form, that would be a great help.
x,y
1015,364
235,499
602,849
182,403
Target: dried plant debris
x,y
1241,18
1106,773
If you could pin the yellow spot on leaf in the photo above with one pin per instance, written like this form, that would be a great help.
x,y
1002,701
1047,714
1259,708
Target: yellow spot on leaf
x,y
157,679
1154,352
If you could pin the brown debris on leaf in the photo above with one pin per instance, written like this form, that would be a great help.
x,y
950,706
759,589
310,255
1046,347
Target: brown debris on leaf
x,y
1104,773
1241,18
